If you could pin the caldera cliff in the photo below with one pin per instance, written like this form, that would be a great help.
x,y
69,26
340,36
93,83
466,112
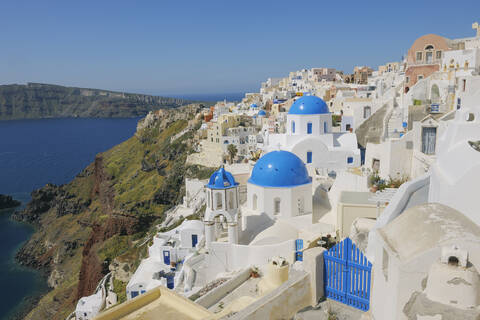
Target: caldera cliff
x,y
99,221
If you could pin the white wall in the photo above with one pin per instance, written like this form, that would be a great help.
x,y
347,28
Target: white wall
x,y
301,123
395,156
390,296
288,200
394,209
224,257
455,176
462,56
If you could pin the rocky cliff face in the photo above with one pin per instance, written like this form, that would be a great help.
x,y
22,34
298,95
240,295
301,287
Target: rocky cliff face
x,y
8,202
36,100
100,220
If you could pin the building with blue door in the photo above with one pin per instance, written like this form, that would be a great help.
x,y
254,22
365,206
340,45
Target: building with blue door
x,y
175,245
168,252
309,131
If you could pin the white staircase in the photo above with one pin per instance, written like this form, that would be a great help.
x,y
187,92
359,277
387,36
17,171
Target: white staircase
x,y
395,121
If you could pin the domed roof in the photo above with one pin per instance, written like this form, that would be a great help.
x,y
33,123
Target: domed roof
x,y
309,105
279,169
253,105
221,179
262,113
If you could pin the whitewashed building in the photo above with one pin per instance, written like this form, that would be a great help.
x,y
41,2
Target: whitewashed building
x,y
426,265
309,135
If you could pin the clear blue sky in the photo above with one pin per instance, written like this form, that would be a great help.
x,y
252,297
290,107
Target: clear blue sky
x,y
176,47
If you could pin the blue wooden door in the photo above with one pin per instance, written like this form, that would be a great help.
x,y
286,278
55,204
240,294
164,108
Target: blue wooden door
x,y
194,240
166,257
309,128
298,250
347,275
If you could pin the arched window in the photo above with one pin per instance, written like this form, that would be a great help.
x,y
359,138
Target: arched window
x,y
309,128
429,53
254,204
293,126
309,156
276,206
218,200
301,205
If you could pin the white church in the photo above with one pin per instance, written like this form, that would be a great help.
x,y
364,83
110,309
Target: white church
x,y
309,135
275,221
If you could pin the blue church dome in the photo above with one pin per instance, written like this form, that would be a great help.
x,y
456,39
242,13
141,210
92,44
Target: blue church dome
x,y
279,169
309,105
253,105
262,113
221,179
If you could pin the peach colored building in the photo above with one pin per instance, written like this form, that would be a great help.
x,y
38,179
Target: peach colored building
x,y
425,57
361,74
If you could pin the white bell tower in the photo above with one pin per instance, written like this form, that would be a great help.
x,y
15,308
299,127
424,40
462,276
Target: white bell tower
x,y
222,207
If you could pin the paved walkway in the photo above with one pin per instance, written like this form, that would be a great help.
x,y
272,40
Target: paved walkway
x,y
331,310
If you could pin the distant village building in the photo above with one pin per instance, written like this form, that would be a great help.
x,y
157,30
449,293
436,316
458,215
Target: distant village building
x,y
361,74
424,58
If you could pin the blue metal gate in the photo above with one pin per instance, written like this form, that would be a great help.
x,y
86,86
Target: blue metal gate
x,y
347,275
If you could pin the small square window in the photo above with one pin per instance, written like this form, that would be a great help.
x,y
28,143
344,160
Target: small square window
x,y
438,55
350,160
419,56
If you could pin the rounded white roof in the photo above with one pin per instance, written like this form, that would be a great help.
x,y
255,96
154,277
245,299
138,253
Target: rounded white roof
x,y
424,227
